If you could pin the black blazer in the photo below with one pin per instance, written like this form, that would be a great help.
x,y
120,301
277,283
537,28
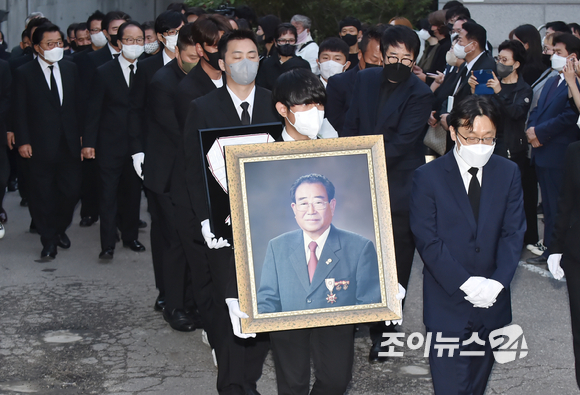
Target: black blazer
x,y
100,56
195,84
271,68
164,134
215,110
39,119
338,96
5,95
15,63
106,124
567,226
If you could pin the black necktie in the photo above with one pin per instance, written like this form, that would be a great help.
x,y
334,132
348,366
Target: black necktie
x,y
53,86
116,55
245,113
131,74
474,192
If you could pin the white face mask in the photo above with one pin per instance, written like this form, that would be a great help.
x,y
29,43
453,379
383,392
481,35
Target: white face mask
x,y
558,62
330,68
475,155
423,34
244,72
54,55
151,47
308,123
451,59
459,50
171,42
132,52
454,36
99,39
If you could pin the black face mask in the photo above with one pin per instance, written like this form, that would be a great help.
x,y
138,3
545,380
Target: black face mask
x,y
286,49
396,72
113,40
27,50
349,39
370,65
80,48
74,46
213,59
547,60
260,39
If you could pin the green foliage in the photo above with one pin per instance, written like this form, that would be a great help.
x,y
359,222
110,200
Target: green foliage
x,y
326,14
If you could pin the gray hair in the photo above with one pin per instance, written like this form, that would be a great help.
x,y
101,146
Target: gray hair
x,y
32,16
303,20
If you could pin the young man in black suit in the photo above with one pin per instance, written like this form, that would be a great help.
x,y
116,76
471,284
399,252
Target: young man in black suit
x,y
238,103
107,138
393,102
47,132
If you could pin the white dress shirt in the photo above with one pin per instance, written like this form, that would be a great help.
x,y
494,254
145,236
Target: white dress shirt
x,y
166,58
464,170
113,51
320,244
237,101
126,69
57,77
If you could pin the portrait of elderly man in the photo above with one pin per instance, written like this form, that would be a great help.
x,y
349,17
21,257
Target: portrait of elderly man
x,y
318,265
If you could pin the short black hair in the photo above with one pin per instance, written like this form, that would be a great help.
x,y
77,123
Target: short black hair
x,y
80,27
372,33
298,86
35,22
113,16
574,27
95,16
168,20
313,179
269,23
207,28
125,25
476,32
185,38
457,11
148,25
243,24
333,44
44,28
471,107
400,35
570,41
235,35
349,21
284,28
518,52
559,26
71,28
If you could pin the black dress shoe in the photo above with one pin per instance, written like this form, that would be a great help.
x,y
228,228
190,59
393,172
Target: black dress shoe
x,y
159,303
537,260
178,320
134,245
12,186
24,202
49,251
63,241
3,216
195,317
86,222
107,254
374,353
32,228
142,224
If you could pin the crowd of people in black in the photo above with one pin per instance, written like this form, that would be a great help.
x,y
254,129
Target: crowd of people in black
x,y
113,106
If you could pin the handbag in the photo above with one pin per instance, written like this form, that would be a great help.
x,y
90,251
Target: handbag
x,y
436,139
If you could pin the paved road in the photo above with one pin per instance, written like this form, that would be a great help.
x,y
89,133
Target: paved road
x,y
75,326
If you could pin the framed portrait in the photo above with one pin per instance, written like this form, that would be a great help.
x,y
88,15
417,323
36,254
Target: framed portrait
x,y
213,142
312,233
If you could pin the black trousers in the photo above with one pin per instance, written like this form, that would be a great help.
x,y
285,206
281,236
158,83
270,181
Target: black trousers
x,y
120,196
550,184
240,361
572,271
55,189
332,351
4,172
90,189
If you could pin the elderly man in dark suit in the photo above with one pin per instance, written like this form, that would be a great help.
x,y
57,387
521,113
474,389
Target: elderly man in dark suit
x,y
467,215
393,102
47,132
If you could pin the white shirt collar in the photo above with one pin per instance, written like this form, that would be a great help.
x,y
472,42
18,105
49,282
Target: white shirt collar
x,y
44,65
323,82
320,243
237,101
125,63
166,58
470,64
113,50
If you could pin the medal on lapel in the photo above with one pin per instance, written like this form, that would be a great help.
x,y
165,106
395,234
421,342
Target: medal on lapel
x,y
330,298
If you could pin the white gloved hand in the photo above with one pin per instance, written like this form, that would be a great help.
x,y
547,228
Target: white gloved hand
x,y
209,237
235,315
138,160
471,284
486,294
400,296
554,266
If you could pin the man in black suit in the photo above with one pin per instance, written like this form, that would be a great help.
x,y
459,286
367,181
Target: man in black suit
x,y
395,103
5,94
238,103
48,132
107,137
341,86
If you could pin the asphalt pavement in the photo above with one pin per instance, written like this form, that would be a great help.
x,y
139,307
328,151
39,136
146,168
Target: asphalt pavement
x,y
77,326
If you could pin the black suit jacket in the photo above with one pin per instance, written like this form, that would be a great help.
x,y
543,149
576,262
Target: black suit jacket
x,y
215,110
39,119
106,124
164,134
271,68
5,95
339,94
15,63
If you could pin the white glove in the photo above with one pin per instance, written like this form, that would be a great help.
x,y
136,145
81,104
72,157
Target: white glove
x,y
486,294
400,296
210,237
471,284
235,315
138,160
554,266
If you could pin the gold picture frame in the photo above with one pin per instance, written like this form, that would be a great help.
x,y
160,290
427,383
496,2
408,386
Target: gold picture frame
x,y
257,176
